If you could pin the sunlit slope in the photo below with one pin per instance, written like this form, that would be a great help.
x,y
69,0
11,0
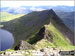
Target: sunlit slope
x,y
59,40
4,16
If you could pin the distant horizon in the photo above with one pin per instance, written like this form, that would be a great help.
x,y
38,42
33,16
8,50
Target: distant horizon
x,y
35,3
37,8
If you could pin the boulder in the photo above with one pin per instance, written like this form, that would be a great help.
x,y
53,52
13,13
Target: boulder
x,y
23,45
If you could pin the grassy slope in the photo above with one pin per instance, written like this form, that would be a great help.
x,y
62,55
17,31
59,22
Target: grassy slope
x,y
59,40
7,16
43,44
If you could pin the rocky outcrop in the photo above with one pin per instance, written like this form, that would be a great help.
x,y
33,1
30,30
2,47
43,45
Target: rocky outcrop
x,y
43,33
23,45
48,34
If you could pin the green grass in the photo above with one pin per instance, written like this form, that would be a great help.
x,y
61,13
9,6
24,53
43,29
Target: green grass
x,y
2,52
59,39
10,50
7,16
43,44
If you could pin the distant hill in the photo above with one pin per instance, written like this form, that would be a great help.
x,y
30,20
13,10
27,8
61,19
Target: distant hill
x,y
67,17
63,8
28,27
27,9
5,16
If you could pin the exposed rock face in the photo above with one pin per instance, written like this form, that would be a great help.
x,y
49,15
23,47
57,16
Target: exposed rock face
x,y
47,34
43,33
23,45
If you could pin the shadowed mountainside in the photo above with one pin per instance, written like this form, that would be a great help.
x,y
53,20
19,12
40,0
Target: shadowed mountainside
x,y
27,26
59,24
67,17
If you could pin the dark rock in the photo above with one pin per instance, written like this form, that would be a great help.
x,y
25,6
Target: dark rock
x,y
47,34
43,33
42,50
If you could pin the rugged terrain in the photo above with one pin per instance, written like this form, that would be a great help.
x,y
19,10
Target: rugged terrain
x,y
36,26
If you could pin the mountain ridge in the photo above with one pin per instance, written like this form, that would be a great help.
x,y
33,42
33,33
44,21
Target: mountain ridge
x,y
65,30
25,27
24,24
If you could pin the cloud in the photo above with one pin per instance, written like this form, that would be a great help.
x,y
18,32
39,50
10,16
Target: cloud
x,y
36,9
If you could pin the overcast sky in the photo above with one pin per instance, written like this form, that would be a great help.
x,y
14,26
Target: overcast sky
x,y
35,3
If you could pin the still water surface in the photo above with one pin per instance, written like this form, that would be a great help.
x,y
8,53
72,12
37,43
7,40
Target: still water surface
x,y
6,40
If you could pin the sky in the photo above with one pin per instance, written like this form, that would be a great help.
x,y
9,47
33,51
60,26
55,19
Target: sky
x,y
36,3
